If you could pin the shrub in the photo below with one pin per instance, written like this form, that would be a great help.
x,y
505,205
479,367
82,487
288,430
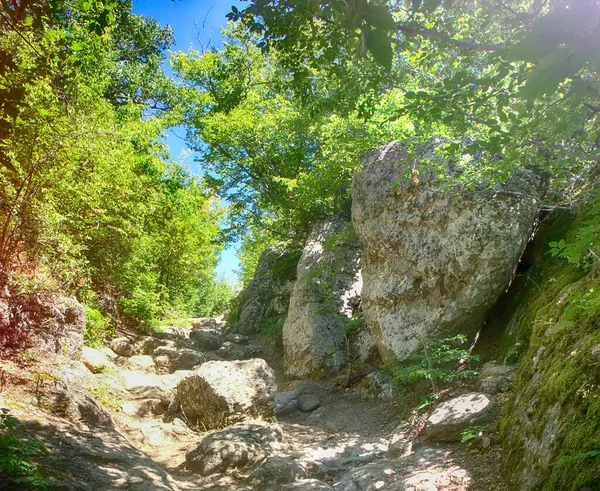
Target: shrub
x,y
98,327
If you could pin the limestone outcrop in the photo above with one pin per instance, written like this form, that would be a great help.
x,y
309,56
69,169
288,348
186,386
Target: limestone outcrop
x,y
268,294
222,392
323,300
434,261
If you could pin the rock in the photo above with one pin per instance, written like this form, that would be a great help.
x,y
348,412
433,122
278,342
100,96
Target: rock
x,y
308,403
400,444
286,403
231,351
453,417
328,277
145,345
307,485
268,293
181,358
95,360
434,261
369,477
172,333
162,364
49,323
222,392
75,374
276,471
204,323
237,446
364,347
378,385
143,363
236,338
73,405
122,346
99,458
149,386
206,340
494,379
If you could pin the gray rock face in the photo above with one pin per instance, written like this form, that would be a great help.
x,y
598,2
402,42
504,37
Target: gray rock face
x,y
237,446
122,346
268,293
434,261
328,283
453,417
222,392
145,345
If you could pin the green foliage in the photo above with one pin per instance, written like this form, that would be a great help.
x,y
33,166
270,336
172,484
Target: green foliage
x,y
273,328
91,203
15,457
472,433
98,327
438,361
106,395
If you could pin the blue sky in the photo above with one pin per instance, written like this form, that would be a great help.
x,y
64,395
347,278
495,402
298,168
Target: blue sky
x,y
196,23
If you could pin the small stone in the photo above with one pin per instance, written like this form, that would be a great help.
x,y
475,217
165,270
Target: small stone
x,y
206,340
308,403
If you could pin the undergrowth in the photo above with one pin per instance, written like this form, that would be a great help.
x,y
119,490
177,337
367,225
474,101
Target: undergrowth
x,y
436,362
16,469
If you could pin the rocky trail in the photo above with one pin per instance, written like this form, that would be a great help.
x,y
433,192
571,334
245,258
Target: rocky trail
x,y
144,426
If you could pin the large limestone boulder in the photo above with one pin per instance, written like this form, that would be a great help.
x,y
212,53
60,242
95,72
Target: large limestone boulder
x,y
453,417
268,294
219,393
434,260
323,299
239,445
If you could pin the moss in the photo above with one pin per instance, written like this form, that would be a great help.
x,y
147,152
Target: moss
x,y
551,426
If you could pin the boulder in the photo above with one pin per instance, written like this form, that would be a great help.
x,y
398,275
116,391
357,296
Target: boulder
x,y
205,323
237,446
231,351
122,346
434,260
369,477
236,338
322,301
308,403
286,402
276,471
222,392
95,360
453,417
145,345
143,363
74,405
206,340
268,294
181,358
172,333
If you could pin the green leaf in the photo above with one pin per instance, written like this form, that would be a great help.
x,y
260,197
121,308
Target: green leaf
x,y
431,5
380,46
380,17
551,71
